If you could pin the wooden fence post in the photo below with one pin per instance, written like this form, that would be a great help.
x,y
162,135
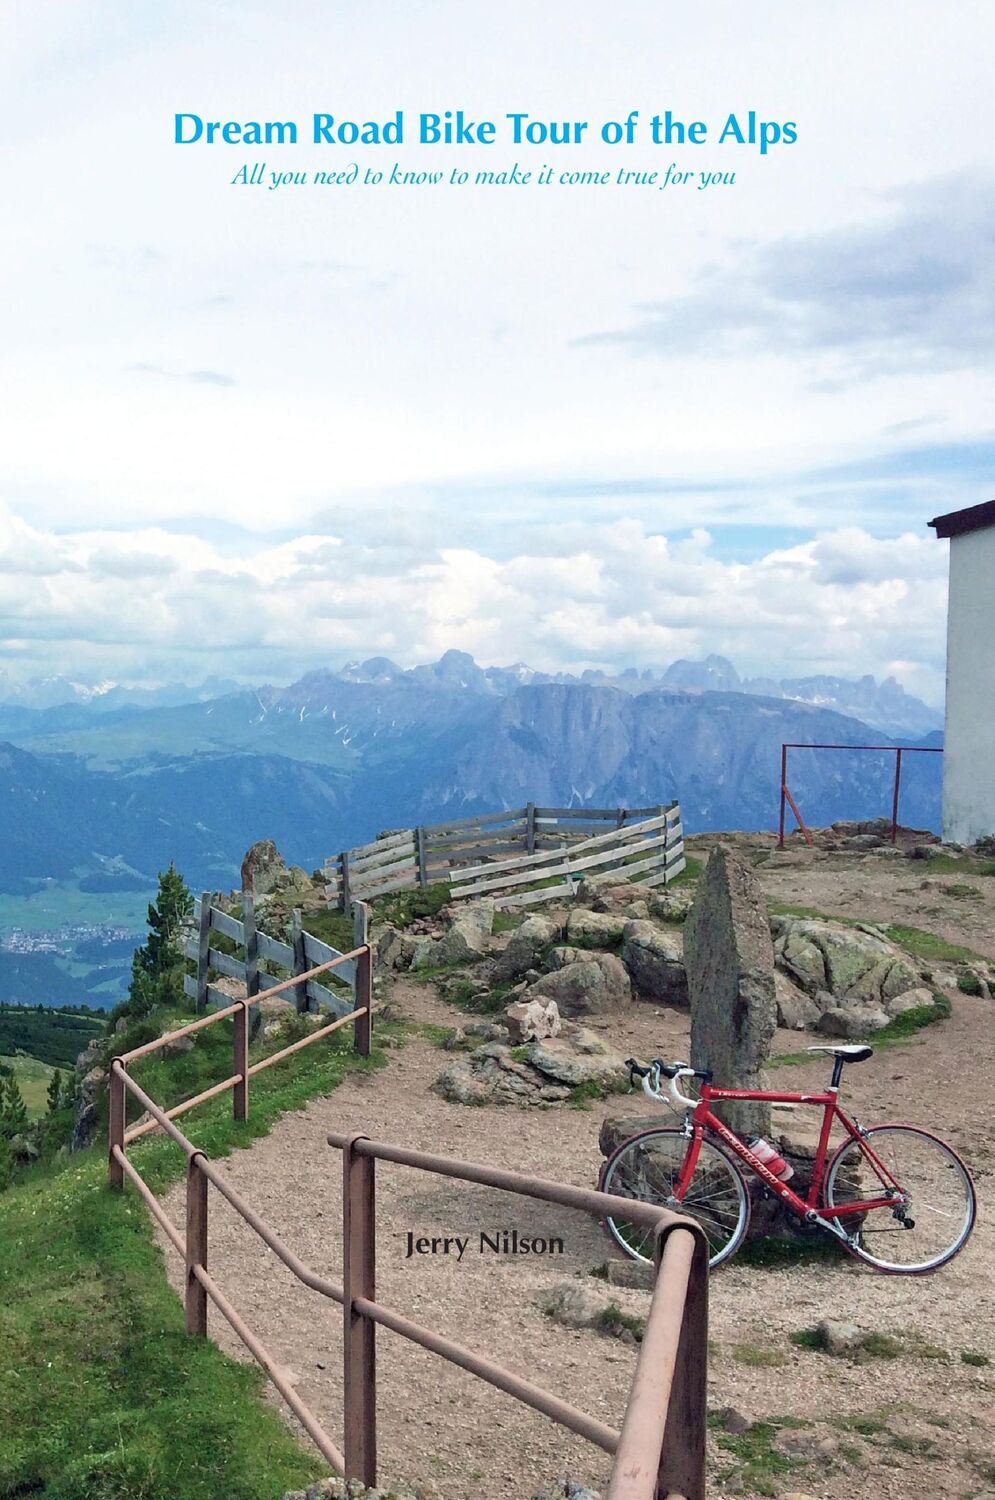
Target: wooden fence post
x,y
196,1296
359,1332
422,860
360,924
250,940
363,1025
530,828
203,950
115,1127
240,1062
300,958
345,895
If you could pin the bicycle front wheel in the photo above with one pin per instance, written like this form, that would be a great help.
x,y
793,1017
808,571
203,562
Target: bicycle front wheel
x,y
649,1166
931,1200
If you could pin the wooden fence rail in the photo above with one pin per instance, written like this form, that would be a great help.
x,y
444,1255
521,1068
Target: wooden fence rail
x,y
297,958
409,857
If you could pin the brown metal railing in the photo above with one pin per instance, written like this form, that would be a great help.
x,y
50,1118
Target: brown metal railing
x,y
660,1451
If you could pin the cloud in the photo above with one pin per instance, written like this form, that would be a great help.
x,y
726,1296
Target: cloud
x,y
194,377
912,290
613,594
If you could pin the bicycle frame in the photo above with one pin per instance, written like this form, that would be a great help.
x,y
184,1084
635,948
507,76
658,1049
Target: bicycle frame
x,y
702,1118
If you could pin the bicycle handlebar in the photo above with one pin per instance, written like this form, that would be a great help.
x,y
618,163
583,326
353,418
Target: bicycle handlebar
x,y
650,1079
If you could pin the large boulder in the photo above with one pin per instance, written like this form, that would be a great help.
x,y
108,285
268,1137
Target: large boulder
x,y
526,949
470,927
596,983
395,949
263,868
840,967
594,929
577,1056
531,1020
729,957
545,1072
795,1010
655,960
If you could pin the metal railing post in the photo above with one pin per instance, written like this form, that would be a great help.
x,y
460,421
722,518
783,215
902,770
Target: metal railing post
x,y
115,1125
894,804
240,1062
196,1243
363,1025
359,1332
682,1458
784,783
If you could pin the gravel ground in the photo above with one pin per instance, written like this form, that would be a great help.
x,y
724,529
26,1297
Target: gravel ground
x,y
925,1421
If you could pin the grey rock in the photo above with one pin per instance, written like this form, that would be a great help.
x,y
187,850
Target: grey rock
x,y
733,1420
423,954
573,1304
852,1023
654,958
594,929
795,1009
565,1489
525,949
395,950
632,1274
529,1020
838,1337
896,1005
597,983
469,930
561,955
729,957
576,1057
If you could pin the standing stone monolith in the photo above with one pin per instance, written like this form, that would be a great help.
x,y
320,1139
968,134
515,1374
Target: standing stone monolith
x,y
729,956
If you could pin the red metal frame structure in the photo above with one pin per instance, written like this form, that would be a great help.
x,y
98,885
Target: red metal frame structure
x,y
897,750
660,1451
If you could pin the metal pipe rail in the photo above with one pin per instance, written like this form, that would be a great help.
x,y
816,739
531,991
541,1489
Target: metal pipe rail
x,y
192,1246
660,1451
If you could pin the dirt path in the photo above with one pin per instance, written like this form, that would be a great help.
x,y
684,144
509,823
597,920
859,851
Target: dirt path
x,y
436,1423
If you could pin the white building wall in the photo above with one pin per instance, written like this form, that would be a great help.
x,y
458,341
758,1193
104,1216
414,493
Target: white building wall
x,y
969,740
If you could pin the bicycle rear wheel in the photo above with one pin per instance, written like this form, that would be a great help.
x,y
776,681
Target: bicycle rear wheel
x,y
929,1215
648,1167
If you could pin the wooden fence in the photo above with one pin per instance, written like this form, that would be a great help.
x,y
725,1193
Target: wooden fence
x,y
650,851
420,856
287,960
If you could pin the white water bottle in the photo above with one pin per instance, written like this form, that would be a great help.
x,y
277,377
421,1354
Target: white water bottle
x,y
774,1163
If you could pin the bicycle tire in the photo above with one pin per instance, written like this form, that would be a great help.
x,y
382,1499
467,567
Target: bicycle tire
x,y
623,1170
946,1178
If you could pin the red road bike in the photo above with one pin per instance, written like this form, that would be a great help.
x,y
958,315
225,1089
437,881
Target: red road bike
x,y
898,1198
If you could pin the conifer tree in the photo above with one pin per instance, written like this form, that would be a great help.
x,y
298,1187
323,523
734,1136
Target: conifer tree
x,y
55,1092
157,967
13,1115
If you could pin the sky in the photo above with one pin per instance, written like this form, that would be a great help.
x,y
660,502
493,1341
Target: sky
x,y
254,432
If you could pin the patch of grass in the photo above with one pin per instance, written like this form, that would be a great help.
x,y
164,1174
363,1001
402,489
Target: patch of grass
x,y
520,1054
920,1447
612,1320
961,892
969,983
809,914
123,1405
759,1465
693,870
927,945
771,1253
880,1346
973,1357
437,1035
405,907
507,921
807,1338
758,1356
913,1020
867,1425
582,1093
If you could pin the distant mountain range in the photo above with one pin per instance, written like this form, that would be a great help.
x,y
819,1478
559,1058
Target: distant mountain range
x,y
104,793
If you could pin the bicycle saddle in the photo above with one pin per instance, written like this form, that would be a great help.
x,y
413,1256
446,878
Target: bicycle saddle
x,y
852,1053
